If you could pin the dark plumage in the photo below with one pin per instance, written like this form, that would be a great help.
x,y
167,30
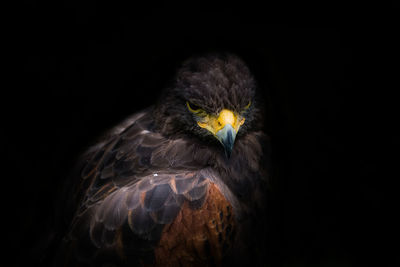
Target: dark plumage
x,y
159,189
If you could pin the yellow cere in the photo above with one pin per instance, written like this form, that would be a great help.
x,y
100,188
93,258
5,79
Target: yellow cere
x,y
216,123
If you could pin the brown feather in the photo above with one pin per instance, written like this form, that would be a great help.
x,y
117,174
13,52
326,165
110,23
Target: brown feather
x,y
198,237
156,190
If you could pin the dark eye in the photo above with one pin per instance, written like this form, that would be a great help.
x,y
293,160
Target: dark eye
x,y
192,107
248,105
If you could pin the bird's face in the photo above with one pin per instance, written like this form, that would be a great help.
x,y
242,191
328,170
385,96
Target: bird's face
x,y
213,98
224,126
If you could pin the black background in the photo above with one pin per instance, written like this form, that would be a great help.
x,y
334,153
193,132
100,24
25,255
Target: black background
x,y
331,116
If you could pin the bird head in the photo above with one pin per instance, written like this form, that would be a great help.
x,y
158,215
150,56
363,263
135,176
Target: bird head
x,y
213,98
223,125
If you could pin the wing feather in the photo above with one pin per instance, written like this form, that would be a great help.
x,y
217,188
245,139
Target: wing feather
x,y
156,197
137,183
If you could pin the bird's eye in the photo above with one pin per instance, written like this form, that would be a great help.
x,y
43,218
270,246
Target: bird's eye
x,y
193,108
248,105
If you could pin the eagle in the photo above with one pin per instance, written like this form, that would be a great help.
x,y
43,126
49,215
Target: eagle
x,y
180,183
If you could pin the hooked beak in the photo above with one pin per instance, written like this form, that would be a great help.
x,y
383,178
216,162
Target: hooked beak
x,y
227,137
224,127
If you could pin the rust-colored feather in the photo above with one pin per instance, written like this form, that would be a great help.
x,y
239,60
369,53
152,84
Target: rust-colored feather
x,y
158,191
198,237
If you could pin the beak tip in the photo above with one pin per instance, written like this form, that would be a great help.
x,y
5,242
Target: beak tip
x,y
227,138
228,153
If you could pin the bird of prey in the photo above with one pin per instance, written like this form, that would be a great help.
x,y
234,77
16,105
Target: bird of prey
x,y
180,183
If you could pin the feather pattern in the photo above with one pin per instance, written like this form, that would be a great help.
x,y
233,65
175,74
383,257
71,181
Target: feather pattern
x,y
140,185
